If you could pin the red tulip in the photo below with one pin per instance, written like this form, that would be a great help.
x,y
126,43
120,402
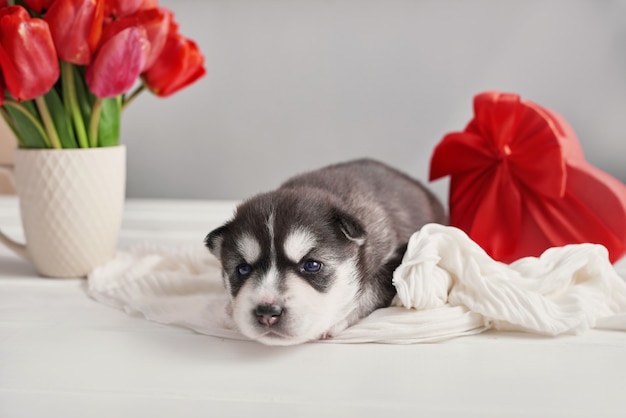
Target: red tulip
x,y
180,64
520,183
76,27
38,5
121,8
27,56
155,22
118,63
149,4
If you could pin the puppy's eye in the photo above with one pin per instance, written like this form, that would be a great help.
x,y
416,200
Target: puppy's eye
x,y
311,266
244,269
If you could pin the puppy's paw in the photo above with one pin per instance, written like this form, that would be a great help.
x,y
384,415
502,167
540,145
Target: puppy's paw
x,y
326,336
335,330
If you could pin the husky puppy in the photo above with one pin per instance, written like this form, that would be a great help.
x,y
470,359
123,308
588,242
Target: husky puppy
x,y
313,257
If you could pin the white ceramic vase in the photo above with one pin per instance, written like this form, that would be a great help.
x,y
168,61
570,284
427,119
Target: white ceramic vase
x,y
71,204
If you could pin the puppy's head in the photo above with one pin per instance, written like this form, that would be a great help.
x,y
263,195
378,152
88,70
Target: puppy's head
x,y
290,264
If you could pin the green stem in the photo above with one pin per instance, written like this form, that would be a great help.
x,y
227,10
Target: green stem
x,y
71,103
33,119
48,123
96,111
133,95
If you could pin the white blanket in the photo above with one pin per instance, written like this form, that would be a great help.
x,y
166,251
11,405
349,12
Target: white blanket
x,y
447,287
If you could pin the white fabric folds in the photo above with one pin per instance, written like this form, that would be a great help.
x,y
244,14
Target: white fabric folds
x,y
447,287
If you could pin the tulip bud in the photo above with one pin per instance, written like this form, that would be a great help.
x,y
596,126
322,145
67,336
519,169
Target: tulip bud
x,y
76,27
118,64
179,64
28,59
155,22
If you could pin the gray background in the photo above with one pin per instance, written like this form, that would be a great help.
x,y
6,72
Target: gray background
x,y
294,85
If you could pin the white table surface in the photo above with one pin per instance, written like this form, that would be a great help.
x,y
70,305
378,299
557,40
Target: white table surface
x,y
65,355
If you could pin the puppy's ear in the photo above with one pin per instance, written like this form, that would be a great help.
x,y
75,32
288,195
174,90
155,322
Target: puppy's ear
x,y
350,226
215,238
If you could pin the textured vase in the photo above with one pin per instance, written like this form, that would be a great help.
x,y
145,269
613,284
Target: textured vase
x,y
71,204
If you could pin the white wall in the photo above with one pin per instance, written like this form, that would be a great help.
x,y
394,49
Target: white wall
x,y
294,85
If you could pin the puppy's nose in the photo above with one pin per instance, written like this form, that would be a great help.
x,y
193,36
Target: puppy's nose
x,y
268,314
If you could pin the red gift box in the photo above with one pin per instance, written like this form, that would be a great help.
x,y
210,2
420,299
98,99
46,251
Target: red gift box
x,y
520,183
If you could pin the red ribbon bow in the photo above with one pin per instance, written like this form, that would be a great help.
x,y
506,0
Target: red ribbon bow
x,y
520,183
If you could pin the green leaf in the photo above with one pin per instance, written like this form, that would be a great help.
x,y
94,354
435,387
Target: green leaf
x,y
84,97
109,126
26,124
77,101
61,120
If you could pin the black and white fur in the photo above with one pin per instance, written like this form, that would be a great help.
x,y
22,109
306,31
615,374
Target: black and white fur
x,y
313,257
